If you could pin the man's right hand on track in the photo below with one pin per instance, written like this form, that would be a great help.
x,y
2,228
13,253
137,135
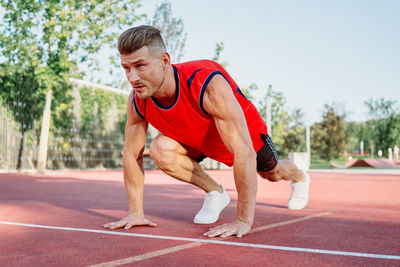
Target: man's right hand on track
x,y
129,221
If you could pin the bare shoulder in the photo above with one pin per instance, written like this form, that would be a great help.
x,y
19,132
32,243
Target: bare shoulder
x,y
217,87
219,98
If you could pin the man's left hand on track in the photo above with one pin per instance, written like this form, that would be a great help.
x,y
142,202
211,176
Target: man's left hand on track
x,y
236,228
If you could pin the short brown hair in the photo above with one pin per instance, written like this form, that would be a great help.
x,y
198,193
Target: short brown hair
x,y
137,37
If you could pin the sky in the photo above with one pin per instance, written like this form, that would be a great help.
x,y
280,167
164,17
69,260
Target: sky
x,y
315,52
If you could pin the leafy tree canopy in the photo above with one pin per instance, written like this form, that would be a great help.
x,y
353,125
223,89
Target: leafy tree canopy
x,y
42,42
329,135
172,30
385,123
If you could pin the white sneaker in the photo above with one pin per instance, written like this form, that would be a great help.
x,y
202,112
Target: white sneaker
x,y
214,203
299,197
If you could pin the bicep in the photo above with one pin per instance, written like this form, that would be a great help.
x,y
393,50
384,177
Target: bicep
x,y
220,102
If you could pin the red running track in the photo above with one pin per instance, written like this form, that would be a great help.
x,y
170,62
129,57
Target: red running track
x,y
347,214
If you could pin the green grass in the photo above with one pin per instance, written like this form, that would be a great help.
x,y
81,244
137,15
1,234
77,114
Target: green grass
x,y
322,164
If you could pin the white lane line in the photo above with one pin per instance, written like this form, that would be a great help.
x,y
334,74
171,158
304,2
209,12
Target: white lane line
x,y
157,253
269,226
147,255
213,241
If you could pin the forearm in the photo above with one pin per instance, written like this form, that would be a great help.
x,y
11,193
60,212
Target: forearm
x,y
246,184
134,183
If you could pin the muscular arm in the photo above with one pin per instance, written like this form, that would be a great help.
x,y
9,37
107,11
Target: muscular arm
x,y
135,140
220,102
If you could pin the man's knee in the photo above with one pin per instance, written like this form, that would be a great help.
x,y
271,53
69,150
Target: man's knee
x,y
272,175
163,151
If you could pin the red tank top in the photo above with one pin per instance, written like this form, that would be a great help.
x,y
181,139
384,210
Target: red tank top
x,y
186,120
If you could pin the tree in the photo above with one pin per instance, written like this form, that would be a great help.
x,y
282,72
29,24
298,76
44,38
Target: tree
x,y
18,85
219,47
357,132
385,123
43,42
280,117
329,136
295,140
172,30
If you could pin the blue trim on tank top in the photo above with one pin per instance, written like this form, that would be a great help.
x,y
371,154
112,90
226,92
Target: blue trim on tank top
x,y
241,93
176,75
192,77
136,107
204,86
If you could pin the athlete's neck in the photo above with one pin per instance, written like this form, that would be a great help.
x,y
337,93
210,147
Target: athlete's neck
x,y
166,94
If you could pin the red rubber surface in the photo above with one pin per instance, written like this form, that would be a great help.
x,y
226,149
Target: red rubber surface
x,y
365,218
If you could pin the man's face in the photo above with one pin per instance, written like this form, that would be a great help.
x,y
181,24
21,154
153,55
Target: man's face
x,y
144,71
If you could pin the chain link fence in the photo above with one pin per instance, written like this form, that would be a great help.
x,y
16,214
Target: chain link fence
x,y
83,145
92,136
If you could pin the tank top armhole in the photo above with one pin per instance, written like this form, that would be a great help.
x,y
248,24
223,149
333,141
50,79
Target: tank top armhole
x,y
204,86
136,106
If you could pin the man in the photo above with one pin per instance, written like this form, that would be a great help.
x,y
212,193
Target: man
x,y
200,112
